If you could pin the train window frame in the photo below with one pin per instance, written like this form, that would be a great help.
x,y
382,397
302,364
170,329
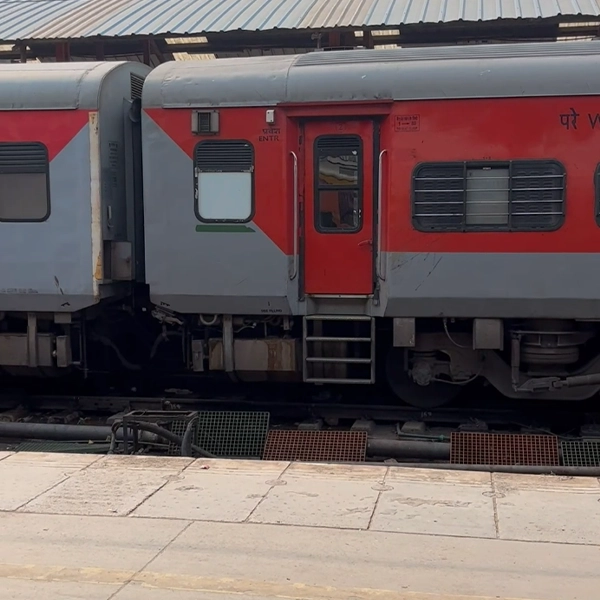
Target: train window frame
x,y
597,194
16,167
512,165
224,169
318,187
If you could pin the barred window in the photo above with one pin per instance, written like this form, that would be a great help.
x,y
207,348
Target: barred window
x,y
224,181
512,196
24,187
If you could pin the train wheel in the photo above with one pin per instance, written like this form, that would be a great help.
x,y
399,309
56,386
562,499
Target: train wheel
x,y
434,395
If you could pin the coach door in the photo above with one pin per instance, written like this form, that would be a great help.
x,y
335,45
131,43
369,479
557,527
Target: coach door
x,y
338,207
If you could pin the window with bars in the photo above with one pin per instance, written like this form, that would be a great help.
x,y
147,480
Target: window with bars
x,y
24,184
527,195
338,184
224,181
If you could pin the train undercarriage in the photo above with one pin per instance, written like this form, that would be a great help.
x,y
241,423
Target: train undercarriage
x,y
426,363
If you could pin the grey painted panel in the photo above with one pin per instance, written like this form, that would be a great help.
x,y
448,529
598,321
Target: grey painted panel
x,y
115,88
53,86
258,80
53,259
195,271
48,303
502,71
492,285
232,305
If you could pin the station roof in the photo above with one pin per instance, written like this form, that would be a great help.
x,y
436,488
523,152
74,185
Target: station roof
x,y
71,19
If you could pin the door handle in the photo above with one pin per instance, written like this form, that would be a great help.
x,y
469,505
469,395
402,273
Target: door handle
x,y
366,243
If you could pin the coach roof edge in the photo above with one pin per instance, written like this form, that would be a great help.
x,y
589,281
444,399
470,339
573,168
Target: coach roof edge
x,y
53,86
490,71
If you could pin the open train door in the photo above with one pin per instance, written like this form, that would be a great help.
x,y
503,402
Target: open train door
x,y
338,207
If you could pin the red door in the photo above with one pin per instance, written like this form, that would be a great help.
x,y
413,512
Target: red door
x,y
338,209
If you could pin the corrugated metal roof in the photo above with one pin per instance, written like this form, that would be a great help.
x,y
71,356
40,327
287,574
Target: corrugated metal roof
x,y
65,19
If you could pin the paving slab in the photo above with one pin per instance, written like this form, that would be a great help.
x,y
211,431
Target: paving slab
x,y
251,555
224,466
52,459
103,490
23,477
323,496
16,589
113,544
437,540
214,490
138,591
548,509
440,503
403,475
153,463
5,454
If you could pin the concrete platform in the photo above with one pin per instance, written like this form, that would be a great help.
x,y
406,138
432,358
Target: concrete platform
x,y
137,528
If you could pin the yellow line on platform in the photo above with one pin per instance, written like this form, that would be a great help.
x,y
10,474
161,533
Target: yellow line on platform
x,y
213,585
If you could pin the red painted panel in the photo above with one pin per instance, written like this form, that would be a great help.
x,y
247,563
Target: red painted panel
x,y
340,262
499,129
54,128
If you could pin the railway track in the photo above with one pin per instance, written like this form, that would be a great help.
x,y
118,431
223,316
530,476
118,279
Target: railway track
x,y
561,418
393,431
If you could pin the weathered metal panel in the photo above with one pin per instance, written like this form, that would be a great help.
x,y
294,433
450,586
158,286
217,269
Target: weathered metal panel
x,y
400,74
57,265
258,355
417,288
48,19
55,86
14,350
44,266
97,256
258,81
190,269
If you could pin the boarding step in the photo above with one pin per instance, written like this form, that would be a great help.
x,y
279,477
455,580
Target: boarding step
x,y
338,349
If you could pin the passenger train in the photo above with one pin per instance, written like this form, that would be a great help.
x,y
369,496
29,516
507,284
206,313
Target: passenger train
x,y
424,217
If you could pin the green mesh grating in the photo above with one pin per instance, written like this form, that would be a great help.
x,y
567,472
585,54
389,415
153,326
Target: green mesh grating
x,y
580,454
63,447
235,434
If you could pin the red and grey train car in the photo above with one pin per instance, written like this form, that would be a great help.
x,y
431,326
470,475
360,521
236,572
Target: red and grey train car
x,y
425,216
71,237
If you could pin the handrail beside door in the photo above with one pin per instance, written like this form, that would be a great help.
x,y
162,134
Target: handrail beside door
x,y
294,272
379,262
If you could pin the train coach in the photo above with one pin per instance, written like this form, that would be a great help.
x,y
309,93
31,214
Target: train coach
x,y
71,215
429,217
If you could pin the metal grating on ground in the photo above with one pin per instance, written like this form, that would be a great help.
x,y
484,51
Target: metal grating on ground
x,y
580,454
316,446
503,449
234,434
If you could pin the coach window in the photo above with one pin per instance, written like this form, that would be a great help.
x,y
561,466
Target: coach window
x,y
487,196
338,184
24,188
224,181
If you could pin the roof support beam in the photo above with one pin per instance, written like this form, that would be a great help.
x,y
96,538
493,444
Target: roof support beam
x,y
63,52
